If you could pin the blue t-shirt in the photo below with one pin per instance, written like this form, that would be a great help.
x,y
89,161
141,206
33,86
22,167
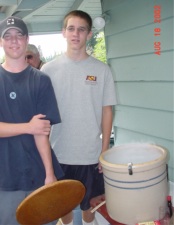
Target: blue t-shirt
x,y
23,95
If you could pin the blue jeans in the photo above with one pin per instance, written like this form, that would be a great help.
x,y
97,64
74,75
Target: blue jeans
x,y
9,201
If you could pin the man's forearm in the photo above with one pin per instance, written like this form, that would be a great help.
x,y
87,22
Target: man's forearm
x,y
12,129
106,127
43,146
37,125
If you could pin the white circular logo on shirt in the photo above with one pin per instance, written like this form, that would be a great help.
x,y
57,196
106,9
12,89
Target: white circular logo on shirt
x,y
12,95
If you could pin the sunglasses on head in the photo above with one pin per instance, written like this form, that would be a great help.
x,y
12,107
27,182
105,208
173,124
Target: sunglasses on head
x,y
28,57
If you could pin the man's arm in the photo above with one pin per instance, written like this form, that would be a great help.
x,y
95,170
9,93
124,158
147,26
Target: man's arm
x,y
43,146
37,125
106,129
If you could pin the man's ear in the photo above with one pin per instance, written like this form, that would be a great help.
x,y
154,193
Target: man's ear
x,y
63,32
89,35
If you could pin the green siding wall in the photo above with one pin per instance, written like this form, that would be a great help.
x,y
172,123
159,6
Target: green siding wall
x,y
144,81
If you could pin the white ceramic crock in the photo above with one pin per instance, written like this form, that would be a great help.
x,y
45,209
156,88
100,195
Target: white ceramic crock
x,y
136,183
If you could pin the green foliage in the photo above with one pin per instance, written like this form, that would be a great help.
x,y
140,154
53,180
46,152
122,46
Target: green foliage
x,y
100,48
51,57
91,43
96,46
2,59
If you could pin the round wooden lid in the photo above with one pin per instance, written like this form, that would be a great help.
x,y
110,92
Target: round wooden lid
x,y
50,202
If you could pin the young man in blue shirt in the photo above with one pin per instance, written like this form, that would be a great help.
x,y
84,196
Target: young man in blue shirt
x,y
28,109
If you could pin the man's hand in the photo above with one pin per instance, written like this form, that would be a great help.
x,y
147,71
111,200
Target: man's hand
x,y
100,168
50,179
39,126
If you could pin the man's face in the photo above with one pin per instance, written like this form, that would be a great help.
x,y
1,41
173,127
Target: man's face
x,y
14,43
77,33
32,58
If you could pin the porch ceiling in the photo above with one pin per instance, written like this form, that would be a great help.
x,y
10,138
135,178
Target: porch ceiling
x,y
46,16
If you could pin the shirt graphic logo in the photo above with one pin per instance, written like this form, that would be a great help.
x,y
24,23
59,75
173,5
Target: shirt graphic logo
x,y
12,95
90,79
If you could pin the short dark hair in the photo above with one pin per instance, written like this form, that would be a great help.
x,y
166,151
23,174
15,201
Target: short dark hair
x,y
78,13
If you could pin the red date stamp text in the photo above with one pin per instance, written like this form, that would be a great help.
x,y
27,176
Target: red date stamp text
x,y
157,29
